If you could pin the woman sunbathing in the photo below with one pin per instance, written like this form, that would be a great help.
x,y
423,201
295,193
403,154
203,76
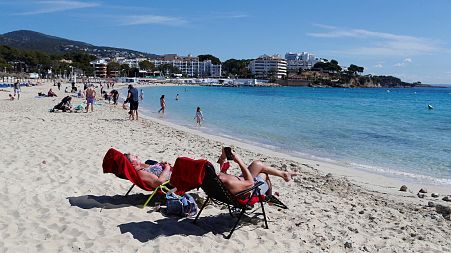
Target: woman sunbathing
x,y
153,174
255,172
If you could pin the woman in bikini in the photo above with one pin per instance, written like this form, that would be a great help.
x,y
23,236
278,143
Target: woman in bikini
x,y
255,172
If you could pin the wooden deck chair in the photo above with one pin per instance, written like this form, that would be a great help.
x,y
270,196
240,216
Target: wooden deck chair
x,y
116,163
216,192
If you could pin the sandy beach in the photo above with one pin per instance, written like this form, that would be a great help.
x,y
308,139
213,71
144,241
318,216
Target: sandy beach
x,y
55,198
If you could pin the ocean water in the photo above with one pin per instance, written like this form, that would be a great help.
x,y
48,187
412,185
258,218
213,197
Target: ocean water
x,y
389,131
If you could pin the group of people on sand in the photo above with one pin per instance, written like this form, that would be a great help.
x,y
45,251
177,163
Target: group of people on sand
x,y
256,171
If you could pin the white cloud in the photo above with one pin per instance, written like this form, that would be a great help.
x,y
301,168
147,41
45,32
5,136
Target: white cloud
x,y
152,19
404,62
382,44
58,6
379,65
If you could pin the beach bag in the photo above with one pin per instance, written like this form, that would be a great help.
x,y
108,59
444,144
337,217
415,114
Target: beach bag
x,y
183,206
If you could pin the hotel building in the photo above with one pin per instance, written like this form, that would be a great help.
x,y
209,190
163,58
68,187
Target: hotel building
x,y
304,60
189,65
267,66
100,68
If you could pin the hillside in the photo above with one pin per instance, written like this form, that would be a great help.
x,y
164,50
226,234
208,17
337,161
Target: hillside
x,y
30,40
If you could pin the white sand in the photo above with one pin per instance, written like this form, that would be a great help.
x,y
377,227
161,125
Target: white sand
x,y
55,198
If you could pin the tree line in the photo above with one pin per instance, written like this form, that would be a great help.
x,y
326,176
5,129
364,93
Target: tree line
x,y
17,60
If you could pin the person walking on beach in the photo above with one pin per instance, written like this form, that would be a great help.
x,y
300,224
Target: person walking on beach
x,y
59,85
133,99
199,117
141,96
90,98
162,104
17,90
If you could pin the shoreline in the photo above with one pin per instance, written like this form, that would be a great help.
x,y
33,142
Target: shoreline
x,y
377,181
56,199
388,179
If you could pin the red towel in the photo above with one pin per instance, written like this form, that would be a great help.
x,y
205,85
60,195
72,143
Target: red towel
x,y
255,199
115,162
188,173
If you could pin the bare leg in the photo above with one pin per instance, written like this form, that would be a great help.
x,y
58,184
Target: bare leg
x,y
258,167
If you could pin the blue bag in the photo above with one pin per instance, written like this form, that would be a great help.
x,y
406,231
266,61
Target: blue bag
x,y
183,206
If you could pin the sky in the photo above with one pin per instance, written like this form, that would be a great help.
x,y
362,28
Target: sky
x,y
409,39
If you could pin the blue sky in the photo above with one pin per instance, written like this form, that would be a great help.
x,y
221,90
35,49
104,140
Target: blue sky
x,y
407,39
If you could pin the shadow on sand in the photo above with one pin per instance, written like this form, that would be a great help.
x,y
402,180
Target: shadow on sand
x,y
112,202
148,230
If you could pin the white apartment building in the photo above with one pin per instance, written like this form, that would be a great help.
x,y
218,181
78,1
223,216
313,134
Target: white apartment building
x,y
267,66
190,66
304,60
100,67
132,63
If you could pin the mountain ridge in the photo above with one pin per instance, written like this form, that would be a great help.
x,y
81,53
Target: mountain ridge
x,y
32,40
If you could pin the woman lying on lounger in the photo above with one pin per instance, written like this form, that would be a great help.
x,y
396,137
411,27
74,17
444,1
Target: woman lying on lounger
x,y
255,172
153,174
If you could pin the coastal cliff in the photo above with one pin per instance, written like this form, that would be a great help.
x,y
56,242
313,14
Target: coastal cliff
x,y
340,80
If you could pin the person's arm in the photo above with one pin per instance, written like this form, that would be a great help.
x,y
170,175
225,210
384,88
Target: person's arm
x,y
165,174
222,159
246,173
128,98
149,178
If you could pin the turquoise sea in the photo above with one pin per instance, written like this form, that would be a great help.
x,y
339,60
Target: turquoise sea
x,y
389,131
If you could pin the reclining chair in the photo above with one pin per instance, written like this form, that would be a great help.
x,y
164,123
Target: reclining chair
x,y
115,162
204,175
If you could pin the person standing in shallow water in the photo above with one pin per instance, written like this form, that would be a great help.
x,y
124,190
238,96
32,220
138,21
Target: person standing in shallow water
x,y
162,104
141,96
199,117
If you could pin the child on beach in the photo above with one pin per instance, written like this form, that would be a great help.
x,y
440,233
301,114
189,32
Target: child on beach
x,y
199,117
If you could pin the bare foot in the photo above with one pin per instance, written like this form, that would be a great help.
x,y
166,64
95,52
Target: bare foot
x,y
288,175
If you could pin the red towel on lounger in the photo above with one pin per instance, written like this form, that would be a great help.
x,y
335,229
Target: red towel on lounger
x,y
188,173
115,162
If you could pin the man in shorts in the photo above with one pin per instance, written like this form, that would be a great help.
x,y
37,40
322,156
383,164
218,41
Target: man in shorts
x,y
90,98
17,90
133,98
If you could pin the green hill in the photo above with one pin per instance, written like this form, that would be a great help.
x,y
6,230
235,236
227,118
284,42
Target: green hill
x,y
30,40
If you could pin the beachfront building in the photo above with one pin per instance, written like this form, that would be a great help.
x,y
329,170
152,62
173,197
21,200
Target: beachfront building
x,y
132,63
100,67
189,65
304,60
267,66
